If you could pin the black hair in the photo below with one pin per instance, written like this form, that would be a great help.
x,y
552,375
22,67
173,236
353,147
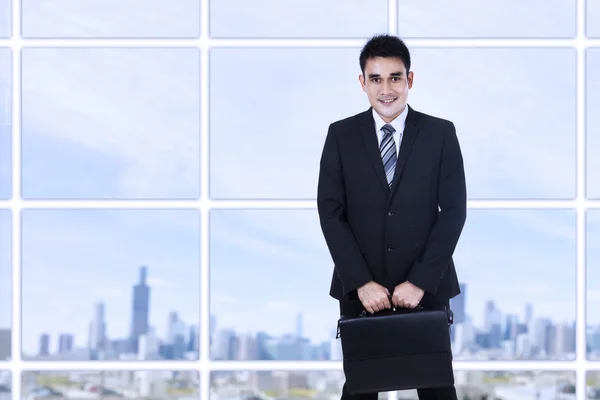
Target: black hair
x,y
384,45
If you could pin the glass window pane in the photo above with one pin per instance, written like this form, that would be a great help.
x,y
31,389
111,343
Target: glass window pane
x,y
278,384
522,154
277,134
593,384
156,385
5,385
111,18
512,149
593,18
286,246
593,122
297,18
515,384
5,123
5,284
111,123
110,284
593,283
5,18
487,19
500,318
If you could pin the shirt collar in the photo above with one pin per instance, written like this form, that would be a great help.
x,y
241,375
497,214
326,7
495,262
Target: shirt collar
x,y
398,123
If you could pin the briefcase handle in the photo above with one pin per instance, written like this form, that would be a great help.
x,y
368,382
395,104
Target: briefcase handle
x,y
419,307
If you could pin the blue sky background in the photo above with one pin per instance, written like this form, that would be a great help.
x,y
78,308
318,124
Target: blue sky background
x,y
593,18
124,123
128,128
5,122
5,15
75,258
111,18
5,268
593,121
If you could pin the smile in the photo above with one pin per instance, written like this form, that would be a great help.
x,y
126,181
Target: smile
x,y
387,101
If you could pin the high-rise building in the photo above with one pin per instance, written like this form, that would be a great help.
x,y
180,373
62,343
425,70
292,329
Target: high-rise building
x,y
457,304
65,343
140,309
98,328
44,344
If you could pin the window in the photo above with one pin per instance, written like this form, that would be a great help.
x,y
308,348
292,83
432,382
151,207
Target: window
x,y
158,166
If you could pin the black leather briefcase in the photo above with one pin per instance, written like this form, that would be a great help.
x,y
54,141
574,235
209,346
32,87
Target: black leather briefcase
x,y
397,349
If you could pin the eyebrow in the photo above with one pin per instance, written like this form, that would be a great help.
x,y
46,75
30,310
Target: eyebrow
x,y
392,74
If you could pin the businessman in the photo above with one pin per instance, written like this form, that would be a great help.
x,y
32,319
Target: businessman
x,y
391,198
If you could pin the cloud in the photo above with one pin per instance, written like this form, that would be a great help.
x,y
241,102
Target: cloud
x,y
280,306
137,108
157,282
104,293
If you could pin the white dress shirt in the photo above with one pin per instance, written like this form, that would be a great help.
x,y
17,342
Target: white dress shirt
x,y
398,123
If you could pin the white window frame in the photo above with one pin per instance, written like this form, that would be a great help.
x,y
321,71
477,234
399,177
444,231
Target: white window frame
x,y
204,204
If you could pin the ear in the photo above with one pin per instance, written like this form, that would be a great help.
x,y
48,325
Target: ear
x,y
410,79
361,79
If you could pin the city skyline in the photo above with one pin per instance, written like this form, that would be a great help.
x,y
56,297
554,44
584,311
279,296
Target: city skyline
x,y
111,245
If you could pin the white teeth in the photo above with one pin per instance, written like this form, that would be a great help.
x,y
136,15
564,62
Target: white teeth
x,y
388,101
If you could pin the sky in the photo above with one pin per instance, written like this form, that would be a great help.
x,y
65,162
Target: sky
x,y
593,18
133,123
73,259
124,123
5,123
5,15
593,121
5,268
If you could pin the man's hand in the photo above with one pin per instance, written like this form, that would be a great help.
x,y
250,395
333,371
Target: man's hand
x,y
374,297
407,295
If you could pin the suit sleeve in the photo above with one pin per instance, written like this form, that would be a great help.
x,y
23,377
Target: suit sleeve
x,y
429,269
352,268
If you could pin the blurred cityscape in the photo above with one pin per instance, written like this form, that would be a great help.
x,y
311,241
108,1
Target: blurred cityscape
x,y
504,337
5,385
142,343
172,385
327,385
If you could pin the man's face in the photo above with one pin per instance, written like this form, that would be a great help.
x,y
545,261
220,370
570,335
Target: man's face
x,y
386,84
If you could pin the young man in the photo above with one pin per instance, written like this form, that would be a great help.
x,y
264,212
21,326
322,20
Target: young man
x,y
391,197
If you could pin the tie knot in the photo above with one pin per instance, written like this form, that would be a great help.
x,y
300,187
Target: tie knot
x,y
389,129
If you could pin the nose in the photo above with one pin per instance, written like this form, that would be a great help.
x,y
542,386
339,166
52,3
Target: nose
x,y
386,87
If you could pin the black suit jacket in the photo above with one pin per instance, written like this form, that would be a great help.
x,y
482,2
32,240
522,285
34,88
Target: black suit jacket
x,y
390,236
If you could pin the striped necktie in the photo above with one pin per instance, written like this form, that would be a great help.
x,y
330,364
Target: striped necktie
x,y
387,149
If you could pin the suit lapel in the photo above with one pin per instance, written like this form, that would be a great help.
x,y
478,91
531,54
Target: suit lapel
x,y
411,129
369,137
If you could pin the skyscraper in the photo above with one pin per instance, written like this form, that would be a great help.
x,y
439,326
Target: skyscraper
x,y
457,304
140,309
98,328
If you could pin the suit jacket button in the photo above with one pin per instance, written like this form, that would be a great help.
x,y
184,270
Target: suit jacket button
x,y
390,213
390,248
